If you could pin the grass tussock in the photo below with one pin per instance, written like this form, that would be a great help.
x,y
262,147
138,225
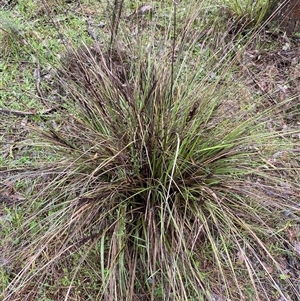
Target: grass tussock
x,y
248,13
163,185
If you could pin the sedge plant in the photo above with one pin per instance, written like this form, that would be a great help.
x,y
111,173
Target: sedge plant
x,y
163,183
249,13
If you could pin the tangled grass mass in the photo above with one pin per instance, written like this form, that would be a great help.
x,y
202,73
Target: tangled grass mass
x,y
159,176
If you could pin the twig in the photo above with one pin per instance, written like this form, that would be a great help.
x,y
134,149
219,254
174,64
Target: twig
x,y
24,113
173,49
37,83
115,21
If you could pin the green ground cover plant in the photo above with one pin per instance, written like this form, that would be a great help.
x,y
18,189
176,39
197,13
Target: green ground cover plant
x,y
158,176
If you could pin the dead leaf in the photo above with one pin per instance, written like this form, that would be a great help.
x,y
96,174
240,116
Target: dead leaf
x,y
292,234
240,257
268,268
297,247
145,9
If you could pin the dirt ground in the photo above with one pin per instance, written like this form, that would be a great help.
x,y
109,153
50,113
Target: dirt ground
x,y
273,71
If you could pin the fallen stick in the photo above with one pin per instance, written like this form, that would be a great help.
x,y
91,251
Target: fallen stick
x,y
24,113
